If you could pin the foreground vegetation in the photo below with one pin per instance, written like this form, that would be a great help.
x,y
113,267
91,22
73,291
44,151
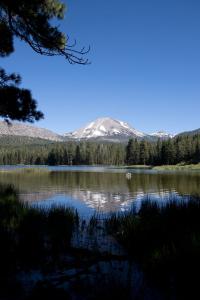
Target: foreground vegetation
x,y
38,258
30,238
161,247
165,240
137,152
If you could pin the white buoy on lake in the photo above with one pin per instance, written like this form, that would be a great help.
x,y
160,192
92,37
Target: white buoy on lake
x,y
128,175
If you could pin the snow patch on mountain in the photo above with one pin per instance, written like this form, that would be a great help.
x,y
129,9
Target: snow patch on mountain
x,y
105,127
162,134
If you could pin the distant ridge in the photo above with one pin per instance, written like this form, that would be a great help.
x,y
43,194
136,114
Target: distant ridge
x,y
101,129
162,134
109,129
192,132
21,129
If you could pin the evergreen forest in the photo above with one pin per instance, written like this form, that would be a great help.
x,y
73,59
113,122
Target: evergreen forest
x,y
21,150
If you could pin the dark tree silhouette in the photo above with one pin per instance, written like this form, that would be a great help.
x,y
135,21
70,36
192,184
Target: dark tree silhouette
x,y
16,103
30,21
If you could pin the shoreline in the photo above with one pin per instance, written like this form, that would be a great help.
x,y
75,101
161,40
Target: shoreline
x,y
43,168
46,168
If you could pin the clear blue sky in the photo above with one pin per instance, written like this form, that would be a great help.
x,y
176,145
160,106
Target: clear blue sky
x,y
145,66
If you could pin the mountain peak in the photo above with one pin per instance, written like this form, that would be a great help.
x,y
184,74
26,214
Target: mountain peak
x,y
105,127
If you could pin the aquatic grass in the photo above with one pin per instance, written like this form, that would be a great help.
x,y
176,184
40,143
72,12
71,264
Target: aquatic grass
x,y
35,170
61,223
30,236
94,222
46,233
164,238
26,170
155,223
137,167
11,210
178,167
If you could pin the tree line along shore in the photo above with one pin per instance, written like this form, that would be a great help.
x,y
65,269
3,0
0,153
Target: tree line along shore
x,y
182,150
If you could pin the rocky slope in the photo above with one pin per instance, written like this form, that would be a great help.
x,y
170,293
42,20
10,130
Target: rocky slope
x,y
21,129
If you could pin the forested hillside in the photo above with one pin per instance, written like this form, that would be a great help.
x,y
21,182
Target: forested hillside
x,y
17,141
22,150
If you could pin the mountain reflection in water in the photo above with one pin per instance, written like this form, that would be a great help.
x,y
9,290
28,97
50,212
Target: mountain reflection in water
x,y
100,191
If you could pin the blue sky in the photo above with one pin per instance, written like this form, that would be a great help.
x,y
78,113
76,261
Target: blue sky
x,y
145,66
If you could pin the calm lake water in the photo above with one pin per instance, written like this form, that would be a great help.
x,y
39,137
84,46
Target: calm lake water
x,y
102,189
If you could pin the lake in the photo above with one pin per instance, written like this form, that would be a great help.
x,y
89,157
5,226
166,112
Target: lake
x,y
99,189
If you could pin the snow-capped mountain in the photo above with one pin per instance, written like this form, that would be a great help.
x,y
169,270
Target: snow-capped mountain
x,y
106,128
162,135
21,129
101,129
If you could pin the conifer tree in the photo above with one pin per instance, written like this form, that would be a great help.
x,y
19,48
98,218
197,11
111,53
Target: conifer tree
x,y
144,155
130,152
30,21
